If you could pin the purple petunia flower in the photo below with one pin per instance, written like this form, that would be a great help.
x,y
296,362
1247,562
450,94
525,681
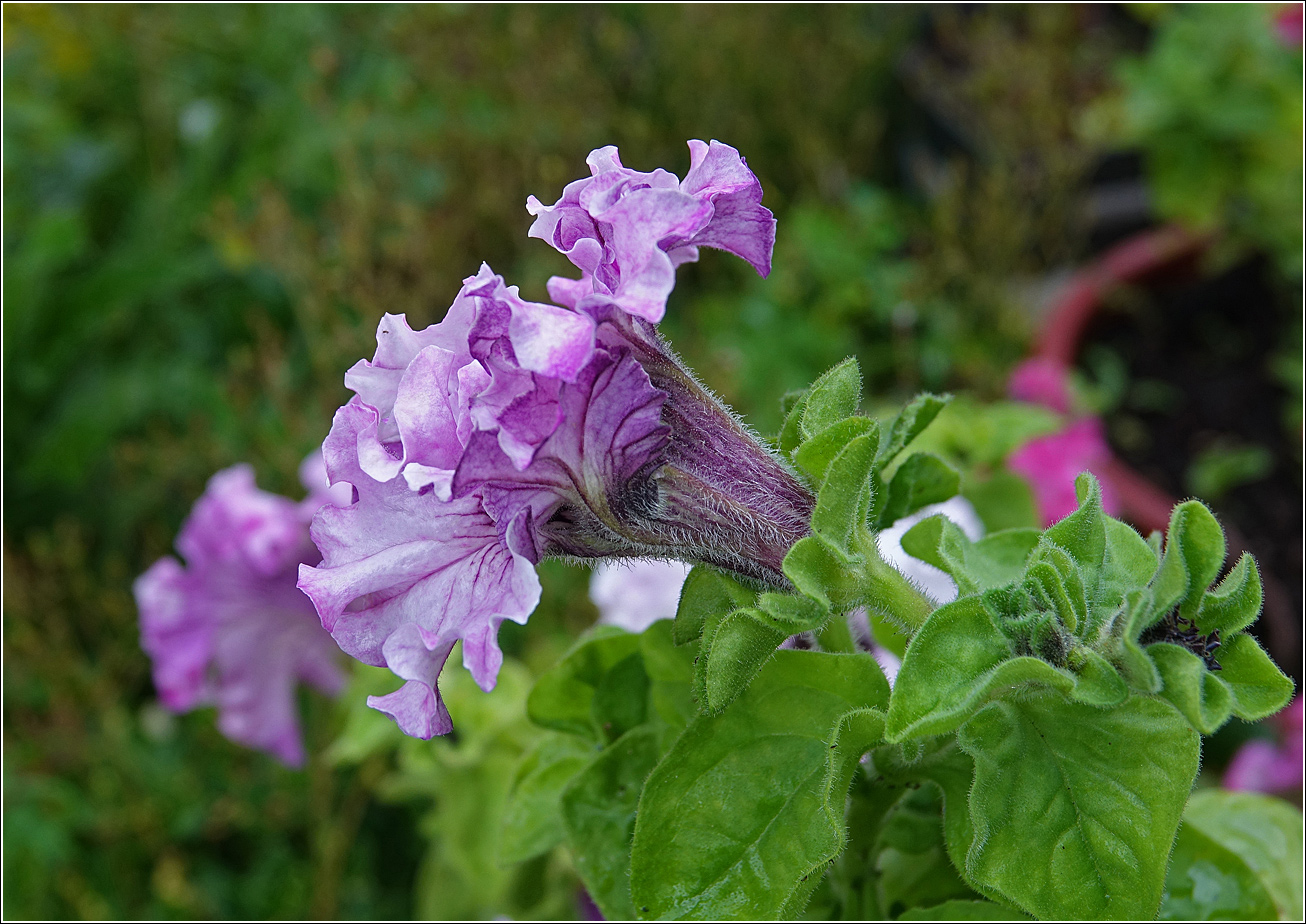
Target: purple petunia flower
x,y
230,627
512,431
628,231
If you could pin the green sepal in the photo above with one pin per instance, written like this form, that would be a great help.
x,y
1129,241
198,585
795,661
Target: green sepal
x,y
815,455
832,397
993,561
564,696
1055,803
736,650
1046,587
1203,698
1238,856
818,572
742,815
793,405
842,502
1235,603
1067,583
921,480
1194,552
910,422
532,819
598,812
706,592
1259,688
1136,664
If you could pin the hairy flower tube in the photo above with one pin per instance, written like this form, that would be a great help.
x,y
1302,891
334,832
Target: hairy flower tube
x,y
230,627
512,431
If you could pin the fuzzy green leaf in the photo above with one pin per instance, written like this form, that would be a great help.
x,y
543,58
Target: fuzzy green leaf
x,y
736,651
909,424
1235,603
815,455
1075,808
921,480
961,909
621,697
1194,552
842,502
832,397
1239,855
994,561
670,670
1097,683
1083,533
598,811
532,821
912,868
1203,698
741,816
564,696
706,592
791,435
1259,688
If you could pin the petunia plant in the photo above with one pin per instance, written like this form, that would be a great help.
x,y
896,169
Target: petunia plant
x,y
1036,753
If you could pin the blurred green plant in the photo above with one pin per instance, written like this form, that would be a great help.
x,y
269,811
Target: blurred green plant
x,y
1216,106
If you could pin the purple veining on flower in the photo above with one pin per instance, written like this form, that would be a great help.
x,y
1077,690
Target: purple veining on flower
x,y
1051,464
229,627
627,231
515,430
1271,766
406,575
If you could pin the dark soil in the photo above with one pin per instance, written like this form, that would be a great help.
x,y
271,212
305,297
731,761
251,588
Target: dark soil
x,y
1198,353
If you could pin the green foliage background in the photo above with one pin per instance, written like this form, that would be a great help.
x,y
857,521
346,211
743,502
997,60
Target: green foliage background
x,y
206,211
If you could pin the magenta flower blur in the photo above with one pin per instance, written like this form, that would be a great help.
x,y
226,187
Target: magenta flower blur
x,y
230,627
1051,463
513,430
628,231
1041,381
1271,766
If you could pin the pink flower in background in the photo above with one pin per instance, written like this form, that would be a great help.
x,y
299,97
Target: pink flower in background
x,y
229,627
1288,25
1266,766
1041,381
1051,463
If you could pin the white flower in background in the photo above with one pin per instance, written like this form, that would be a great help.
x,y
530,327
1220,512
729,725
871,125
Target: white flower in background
x,y
930,580
634,593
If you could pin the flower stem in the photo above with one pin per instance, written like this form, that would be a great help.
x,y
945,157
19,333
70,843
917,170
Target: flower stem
x,y
889,592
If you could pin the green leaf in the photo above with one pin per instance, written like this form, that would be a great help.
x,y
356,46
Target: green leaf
x,y
921,480
1237,842
670,671
1097,683
621,697
996,560
1194,552
912,867
815,570
815,455
842,502
1201,696
1075,808
741,816
706,592
1235,603
564,696
832,397
1259,688
735,652
598,810
1083,533
532,821
963,910
909,423
1003,501
791,434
